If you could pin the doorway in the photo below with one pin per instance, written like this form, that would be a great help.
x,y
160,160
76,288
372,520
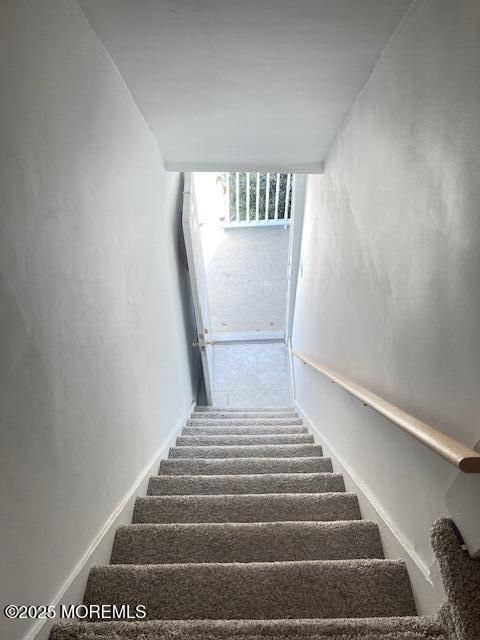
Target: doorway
x,y
244,224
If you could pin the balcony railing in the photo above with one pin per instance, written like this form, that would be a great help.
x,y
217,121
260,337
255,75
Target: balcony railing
x,y
257,199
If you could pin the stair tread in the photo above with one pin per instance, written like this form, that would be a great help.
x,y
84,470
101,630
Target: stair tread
x,y
239,422
246,484
249,429
246,414
297,589
215,440
247,532
247,451
385,628
222,466
246,409
247,508
245,542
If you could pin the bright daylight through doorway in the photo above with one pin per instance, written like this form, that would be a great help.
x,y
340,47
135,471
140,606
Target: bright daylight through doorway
x,y
244,226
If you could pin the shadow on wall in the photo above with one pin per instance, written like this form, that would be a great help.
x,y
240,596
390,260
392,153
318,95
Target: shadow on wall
x,y
22,363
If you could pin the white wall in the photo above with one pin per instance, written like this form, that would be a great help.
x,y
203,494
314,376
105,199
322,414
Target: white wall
x,y
390,294
295,248
94,369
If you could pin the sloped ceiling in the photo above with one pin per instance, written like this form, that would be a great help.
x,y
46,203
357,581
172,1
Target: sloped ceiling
x,y
244,84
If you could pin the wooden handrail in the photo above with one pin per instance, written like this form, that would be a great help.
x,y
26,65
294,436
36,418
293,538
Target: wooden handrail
x,y
451,450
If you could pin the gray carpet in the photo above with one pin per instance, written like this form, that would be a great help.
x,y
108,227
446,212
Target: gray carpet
x,y
245,542
297,589
236,440
461,579
405,635
248,451
244,411
246,532
263,483
241,422
219,466
247,508
404,628
211,430
247,414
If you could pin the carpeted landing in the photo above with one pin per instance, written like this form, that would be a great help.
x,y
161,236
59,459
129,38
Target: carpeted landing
x,y
246,532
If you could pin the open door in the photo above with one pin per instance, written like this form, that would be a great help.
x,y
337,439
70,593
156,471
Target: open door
x,y
198,281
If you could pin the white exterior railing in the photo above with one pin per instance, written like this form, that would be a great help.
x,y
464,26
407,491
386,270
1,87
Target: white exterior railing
x,y
257,199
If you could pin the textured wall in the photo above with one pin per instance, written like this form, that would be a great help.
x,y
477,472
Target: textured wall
x,y
94,369
388,292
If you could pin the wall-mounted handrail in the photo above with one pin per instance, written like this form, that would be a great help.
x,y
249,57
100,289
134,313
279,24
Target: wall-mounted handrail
x,y
465,459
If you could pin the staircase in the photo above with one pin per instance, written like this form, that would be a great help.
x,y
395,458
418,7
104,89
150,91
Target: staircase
x,y
246,532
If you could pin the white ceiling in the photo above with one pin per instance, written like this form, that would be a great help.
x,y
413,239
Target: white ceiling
x,y
244,84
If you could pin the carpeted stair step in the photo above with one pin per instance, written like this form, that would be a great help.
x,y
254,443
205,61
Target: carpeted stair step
x,y
246,484
246,520
241,440
391,628
299,589
248,451
209,415
237,431
247,508
219,466
200,409
242,422
247,542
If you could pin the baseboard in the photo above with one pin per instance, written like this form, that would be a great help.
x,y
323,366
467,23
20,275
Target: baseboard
x,y
98,552
395,544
